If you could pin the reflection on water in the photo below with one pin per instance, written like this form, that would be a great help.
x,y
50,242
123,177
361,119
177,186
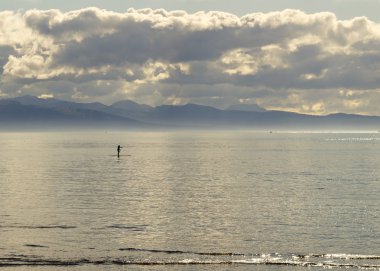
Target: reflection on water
x,y
189,198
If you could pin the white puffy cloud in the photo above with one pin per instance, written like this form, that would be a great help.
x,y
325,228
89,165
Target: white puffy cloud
x,y
282,60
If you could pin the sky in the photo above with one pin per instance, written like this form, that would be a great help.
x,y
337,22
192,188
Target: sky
x,y
314,57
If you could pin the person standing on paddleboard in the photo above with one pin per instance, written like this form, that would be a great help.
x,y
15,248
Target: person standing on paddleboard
x,y
118,150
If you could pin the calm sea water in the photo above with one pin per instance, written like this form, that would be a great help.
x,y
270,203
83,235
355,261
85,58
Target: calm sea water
x,y
189,201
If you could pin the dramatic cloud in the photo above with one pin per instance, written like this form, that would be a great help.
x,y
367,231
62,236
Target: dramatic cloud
x,y
312,63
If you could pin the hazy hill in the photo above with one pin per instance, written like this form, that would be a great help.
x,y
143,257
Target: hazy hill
x,y
246,107
30,112
130,106
33,113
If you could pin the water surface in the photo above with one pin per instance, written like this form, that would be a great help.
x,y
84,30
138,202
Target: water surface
x,y
189,201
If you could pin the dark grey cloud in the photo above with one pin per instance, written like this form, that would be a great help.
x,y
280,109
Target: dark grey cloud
x,y
5,52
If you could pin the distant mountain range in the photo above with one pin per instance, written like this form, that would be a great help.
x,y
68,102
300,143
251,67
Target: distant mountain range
x,y
29,112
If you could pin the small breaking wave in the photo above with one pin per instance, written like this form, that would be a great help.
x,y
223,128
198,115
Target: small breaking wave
x,y
348,256
182,252
344,261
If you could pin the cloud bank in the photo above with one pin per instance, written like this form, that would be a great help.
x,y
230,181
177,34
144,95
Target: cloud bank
x,y
288,60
